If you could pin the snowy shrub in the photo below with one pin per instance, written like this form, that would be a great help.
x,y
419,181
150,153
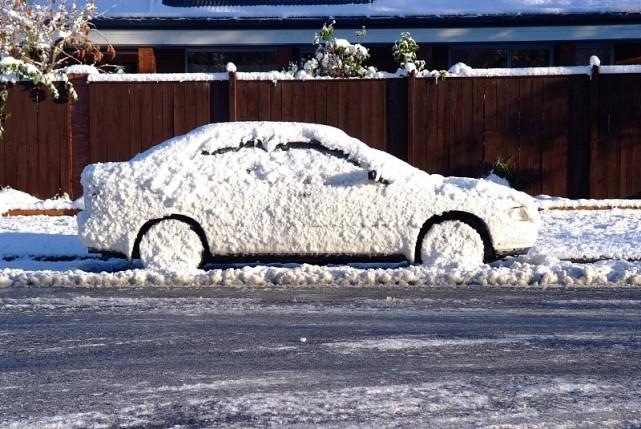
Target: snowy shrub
x,y
336,57
38,38
48,34
404,51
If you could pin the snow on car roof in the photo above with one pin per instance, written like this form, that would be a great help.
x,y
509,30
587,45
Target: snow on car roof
x,y
214,137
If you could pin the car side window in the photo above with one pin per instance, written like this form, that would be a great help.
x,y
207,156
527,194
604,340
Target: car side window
x,y
230,164
312,164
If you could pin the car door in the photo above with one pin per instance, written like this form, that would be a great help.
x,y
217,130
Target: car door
x,y
325,204
234,200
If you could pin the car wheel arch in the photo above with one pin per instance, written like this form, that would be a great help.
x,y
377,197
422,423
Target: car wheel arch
x,y
194,224
472,220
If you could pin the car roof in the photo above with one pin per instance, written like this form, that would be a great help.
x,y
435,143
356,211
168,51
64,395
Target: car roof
x,y
228,135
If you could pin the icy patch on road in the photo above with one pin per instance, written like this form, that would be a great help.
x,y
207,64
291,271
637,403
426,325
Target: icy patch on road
x,y
460,401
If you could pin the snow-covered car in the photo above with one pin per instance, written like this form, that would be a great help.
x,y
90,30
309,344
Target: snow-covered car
x,y
293,191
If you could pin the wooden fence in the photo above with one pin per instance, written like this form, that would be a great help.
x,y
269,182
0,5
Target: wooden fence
x,y
576,136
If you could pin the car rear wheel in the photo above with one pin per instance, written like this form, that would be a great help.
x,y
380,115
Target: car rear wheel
x,y
171,245
452,242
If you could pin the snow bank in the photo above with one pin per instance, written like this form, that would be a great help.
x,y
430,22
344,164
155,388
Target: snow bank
x,y
11,199
517,272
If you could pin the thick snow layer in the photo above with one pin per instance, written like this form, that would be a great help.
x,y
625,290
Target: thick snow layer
x,y
378,8
445,244
157,77
12,199
184,255
253,194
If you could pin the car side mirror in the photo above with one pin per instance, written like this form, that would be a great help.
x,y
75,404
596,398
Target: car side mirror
x,y
374,177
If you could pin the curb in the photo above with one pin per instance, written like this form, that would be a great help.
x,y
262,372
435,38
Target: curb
x,y
47,212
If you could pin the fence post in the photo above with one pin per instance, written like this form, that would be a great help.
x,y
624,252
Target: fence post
x,y
594,131
232,96
411,113
78,138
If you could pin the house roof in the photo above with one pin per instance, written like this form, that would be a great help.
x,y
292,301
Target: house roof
x,y
358,9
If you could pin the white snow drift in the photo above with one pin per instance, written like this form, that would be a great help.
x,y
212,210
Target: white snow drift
x,y
269,188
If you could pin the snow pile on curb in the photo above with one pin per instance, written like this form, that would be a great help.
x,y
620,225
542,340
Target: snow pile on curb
x,y
516,272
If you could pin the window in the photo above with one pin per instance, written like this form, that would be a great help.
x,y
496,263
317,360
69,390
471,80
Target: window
x,y
583,53
501,57
208,61
314,164
480,58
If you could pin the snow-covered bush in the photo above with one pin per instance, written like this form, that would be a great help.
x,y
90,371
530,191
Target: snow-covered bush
x,y
404,51
49,34
38,38
336,57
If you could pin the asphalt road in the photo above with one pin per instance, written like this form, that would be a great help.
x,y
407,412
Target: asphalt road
x,y
333,357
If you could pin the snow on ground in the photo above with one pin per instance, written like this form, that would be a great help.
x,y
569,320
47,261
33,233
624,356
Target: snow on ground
x,y
11,199
45,251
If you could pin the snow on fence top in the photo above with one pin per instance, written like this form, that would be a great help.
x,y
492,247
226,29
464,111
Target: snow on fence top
x,y
457,70
157,77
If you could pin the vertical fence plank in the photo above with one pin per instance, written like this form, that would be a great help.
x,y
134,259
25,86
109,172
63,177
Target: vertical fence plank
x,y
320,108
307,103
555,136
44,155
634,135
167,113
333,99
287,101
613,148
276,102
180,113
135,119
148,115
378,122
250,100
264,103
191,107
203,103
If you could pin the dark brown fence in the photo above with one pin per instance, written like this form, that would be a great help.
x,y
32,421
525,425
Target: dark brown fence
x,y
537,125
34,154
576,136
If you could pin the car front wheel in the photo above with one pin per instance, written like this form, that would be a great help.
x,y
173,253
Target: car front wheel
x,y
171,245
452,242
